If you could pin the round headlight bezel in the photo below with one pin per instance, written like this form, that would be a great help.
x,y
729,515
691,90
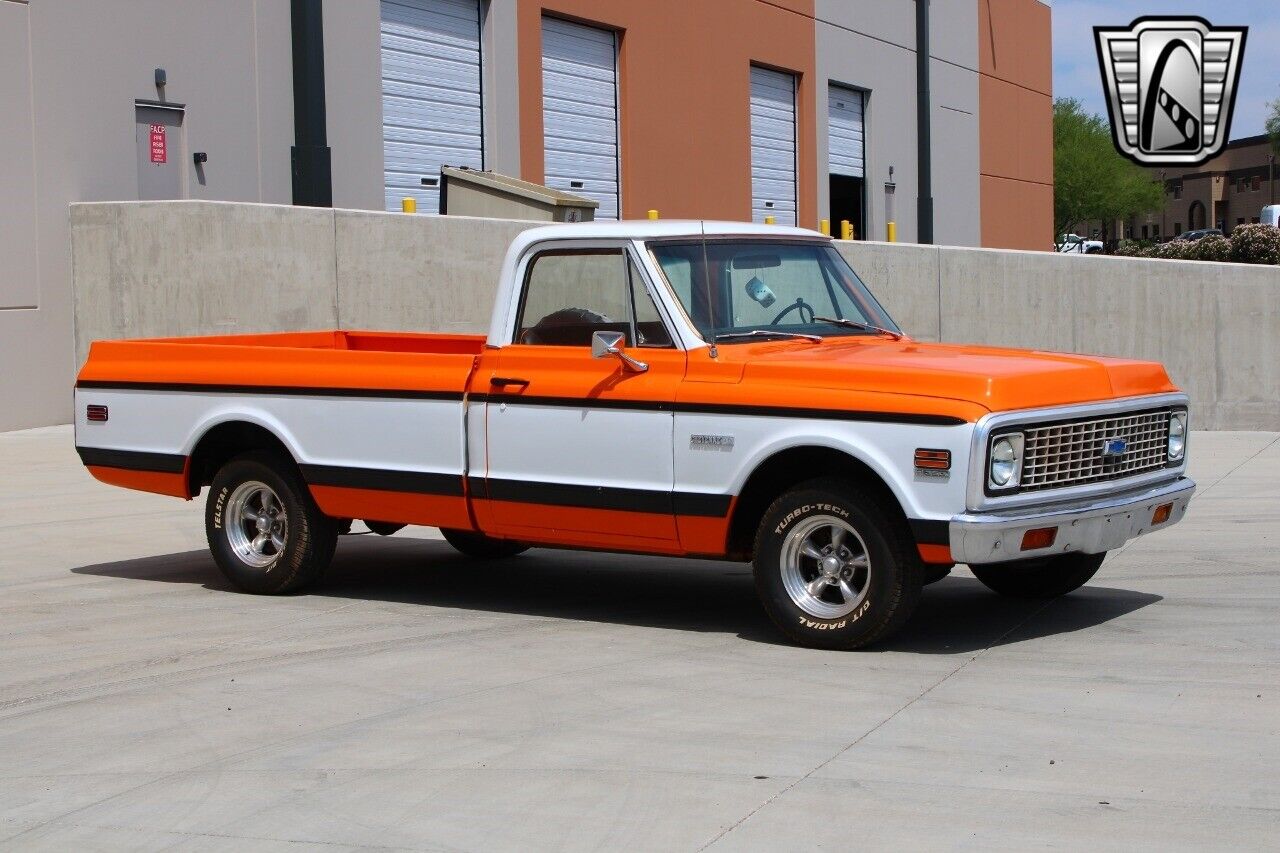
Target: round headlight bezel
x,y
1177,446
1004,468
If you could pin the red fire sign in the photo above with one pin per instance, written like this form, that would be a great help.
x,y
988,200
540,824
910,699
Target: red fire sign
x,y
159,149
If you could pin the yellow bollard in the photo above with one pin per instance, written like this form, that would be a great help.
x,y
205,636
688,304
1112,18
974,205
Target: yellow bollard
x,y
846,229
892,228
824,226
769,220
653,214
408,205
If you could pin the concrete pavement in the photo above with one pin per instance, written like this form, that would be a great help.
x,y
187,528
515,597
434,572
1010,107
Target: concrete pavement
x,y
586,701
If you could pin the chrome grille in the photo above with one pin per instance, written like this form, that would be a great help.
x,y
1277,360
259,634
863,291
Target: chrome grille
x,y
1070,454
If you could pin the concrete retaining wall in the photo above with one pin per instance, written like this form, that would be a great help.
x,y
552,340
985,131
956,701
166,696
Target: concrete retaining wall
x,y
177,268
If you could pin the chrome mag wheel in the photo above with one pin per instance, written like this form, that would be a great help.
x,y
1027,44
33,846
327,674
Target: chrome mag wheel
x,y
825,567
257,525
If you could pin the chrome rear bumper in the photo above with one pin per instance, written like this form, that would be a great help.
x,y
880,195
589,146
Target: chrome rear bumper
x,y
1100,525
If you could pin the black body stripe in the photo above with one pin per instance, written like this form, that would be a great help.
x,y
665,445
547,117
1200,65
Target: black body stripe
x,y
380,479
273,390
588,497
720,409
706,506
604,497
450,485
820,414
518,399
532,400
930,532
521,491
133,460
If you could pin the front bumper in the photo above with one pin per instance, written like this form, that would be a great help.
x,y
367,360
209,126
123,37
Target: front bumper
x,y
1100,525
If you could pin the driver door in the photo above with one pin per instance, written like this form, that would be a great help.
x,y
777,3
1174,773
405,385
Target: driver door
x,y
580,447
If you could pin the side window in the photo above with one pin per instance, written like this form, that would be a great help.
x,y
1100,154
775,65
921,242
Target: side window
x,y
571,294
650,330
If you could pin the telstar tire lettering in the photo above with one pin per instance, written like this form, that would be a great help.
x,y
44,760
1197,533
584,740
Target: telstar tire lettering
x,y
217,509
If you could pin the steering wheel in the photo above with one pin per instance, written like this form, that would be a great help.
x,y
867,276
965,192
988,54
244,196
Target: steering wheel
x,y
799,305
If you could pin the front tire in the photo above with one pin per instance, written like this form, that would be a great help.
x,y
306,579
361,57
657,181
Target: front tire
x,y
483,547
1046,577
265,532
833,569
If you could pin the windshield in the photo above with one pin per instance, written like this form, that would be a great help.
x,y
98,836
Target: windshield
x,y
730,288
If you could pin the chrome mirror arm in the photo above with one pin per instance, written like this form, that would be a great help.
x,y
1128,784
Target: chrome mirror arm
x,y
610,343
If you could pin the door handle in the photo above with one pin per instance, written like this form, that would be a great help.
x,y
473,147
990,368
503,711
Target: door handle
x,y
504,381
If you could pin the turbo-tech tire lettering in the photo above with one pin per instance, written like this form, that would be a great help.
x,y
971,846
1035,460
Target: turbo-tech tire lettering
x,y
885,595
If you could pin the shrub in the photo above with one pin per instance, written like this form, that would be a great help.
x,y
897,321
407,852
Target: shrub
x,y
1255,244
1132,249
1212,248
1177,250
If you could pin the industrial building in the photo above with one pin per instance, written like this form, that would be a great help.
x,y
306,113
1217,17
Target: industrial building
x,y
1229,190
800,110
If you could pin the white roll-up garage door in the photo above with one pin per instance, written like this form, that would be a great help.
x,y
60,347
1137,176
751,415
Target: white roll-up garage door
x,y
773,146
845,146
431,108
580,112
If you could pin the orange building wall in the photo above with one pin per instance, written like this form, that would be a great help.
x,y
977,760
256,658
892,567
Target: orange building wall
x,y
1015,103
684,96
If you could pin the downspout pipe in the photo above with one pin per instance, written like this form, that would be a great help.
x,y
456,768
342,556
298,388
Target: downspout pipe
x,y
312,177
924,143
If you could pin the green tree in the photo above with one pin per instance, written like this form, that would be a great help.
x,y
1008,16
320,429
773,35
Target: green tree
x,y
1090,178
1273,124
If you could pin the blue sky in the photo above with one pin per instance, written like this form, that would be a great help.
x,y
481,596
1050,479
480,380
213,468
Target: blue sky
x,y
1075,60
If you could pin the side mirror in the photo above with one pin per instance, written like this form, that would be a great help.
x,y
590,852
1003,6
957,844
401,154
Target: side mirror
x,y
604,344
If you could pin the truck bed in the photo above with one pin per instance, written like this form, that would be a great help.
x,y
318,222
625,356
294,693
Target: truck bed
x,y
322,360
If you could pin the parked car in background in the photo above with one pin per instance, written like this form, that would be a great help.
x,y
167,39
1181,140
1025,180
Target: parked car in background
x,y
1198,234
710,389
1075,244
1270,215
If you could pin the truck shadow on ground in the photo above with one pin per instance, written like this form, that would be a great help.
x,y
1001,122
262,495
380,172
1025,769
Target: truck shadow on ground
x,y
955,615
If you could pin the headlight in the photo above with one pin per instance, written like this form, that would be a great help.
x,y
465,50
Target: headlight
x,y
1177,435
1006,461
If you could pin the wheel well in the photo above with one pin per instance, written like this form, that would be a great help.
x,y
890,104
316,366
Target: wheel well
x,y
223,443
790,468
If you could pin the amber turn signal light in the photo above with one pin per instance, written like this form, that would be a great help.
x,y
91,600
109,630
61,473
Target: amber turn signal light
x,y
1041,537
1162,513
939,460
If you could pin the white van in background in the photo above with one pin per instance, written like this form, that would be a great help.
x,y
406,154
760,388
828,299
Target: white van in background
x,y
1271,215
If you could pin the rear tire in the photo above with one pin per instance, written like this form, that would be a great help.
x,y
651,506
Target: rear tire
x,y
265,532
483,547
1046,577
833,569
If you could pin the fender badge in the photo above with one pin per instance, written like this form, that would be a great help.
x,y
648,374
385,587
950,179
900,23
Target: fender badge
x,y
723,443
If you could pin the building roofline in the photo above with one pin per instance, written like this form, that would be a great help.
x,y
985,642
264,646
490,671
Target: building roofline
x,y
1246,141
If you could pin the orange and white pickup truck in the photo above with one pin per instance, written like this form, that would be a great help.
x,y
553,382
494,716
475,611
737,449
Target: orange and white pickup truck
x,y
684,388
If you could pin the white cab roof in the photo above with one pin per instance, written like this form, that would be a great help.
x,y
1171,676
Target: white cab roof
x,y
649,229
638,229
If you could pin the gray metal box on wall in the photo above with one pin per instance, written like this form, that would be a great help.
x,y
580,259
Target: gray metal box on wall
x,y
467,192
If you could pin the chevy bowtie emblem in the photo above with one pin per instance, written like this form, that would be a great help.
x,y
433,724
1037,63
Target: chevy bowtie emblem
x,y
1171,85
1114,448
